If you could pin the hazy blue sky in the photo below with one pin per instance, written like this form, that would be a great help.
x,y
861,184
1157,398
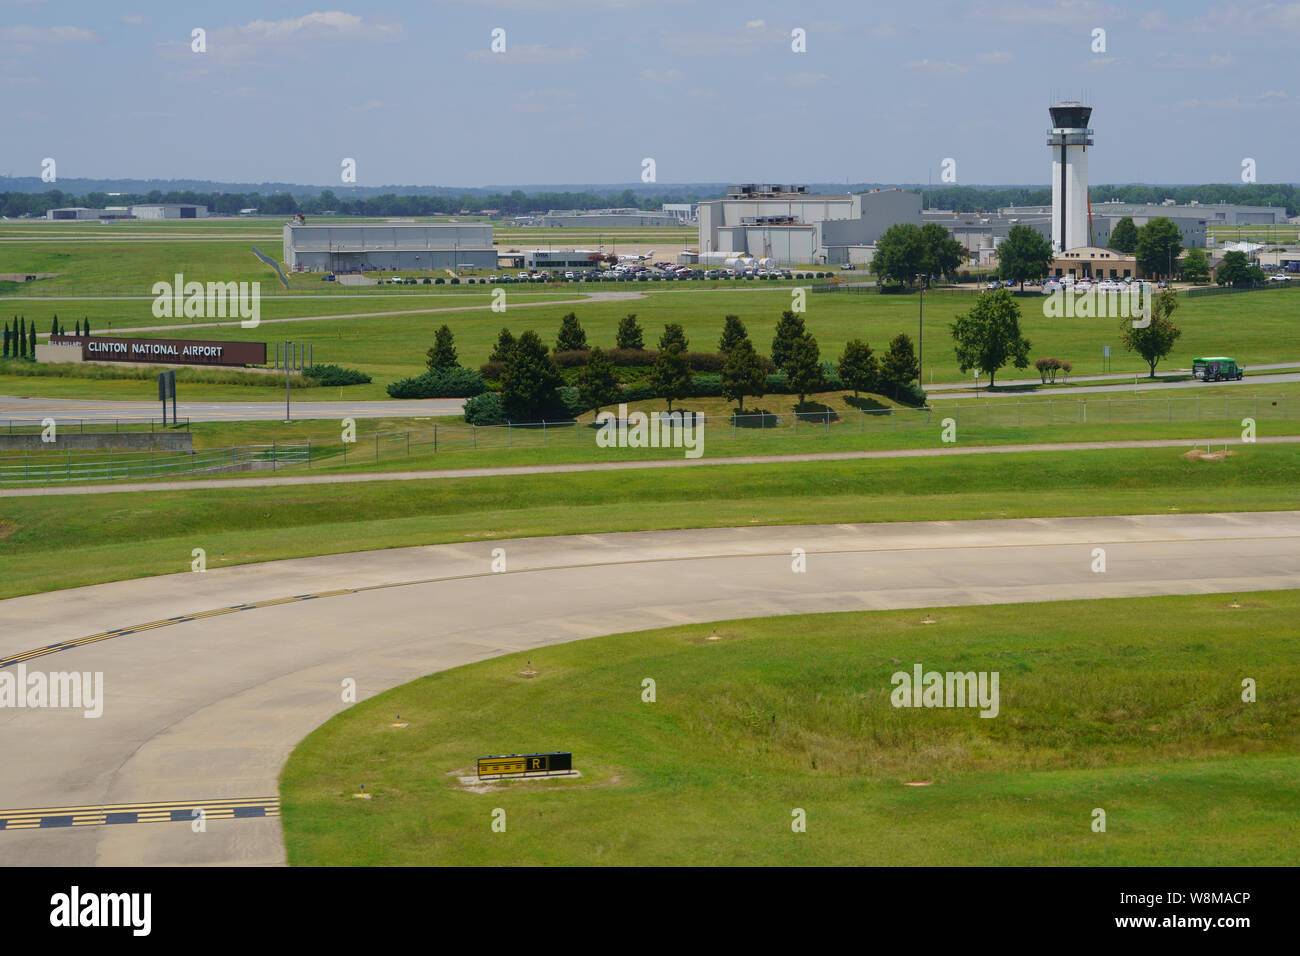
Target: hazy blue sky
x,y
588,88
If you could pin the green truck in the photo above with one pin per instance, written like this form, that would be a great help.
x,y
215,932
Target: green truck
x,y
1217,368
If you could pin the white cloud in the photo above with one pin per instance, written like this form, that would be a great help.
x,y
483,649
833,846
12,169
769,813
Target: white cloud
x,y
330,23
755,24
994,58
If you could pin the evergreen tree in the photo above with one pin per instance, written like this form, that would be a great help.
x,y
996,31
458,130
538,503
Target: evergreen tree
x,y
54,327
670,377
31,341
988,336
733,331
1195,268
6,352
597,385
899,366
443,353
803,366
86,326
743,374
501,351
1158,247
572,338
22,338
858,367
788,329
1155,340
1024,254
530,382
674,334
1124,237
629,333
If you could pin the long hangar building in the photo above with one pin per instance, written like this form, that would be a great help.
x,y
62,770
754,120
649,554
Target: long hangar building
x,y
381,246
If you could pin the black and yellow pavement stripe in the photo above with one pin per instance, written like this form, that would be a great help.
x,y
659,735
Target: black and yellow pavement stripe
x,y
181,619
226,808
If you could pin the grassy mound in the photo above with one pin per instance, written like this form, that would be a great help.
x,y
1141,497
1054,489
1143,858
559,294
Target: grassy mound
x,y
1132,706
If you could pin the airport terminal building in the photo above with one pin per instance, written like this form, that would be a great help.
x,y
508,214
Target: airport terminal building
x,y
793,227
387,246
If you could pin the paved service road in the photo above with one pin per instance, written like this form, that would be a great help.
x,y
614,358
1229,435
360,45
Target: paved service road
x,y
204,710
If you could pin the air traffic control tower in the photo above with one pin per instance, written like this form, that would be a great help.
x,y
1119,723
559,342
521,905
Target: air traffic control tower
x,y
1069,140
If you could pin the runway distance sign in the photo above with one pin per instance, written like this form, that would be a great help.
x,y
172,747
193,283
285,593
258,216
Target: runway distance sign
x,y
559,762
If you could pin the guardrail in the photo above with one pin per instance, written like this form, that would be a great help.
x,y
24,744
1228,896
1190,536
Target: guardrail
x,y
16,426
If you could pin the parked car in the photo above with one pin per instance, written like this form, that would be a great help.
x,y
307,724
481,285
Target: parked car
x,y
1050,286
1279,278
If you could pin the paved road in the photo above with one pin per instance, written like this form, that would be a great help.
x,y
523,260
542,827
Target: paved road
x,y
1110,377
1147,385
65,409
207,709
504,470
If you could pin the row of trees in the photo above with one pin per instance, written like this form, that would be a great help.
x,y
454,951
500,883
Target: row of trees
x,y
972,199
20,340
530,379
513,203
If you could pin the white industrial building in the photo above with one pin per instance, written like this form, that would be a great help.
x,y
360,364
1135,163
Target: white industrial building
x,y
387,246
792,227
607,218
169,210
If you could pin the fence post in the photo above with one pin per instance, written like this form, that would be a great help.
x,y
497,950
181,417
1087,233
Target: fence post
x,y
827,415
274,455
510,435
435,438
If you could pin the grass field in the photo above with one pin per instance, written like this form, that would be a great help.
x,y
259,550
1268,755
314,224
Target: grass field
x,y
1253,328
1098,708
68,541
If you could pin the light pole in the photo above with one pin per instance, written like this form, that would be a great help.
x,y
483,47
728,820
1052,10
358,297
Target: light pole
x,y
920,329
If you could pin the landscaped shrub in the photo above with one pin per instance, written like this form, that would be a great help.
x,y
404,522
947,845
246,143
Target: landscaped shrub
x,y
485,409
455,382
335,375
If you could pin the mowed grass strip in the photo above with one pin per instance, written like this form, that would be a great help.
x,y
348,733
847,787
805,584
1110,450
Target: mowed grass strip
x,y
1134,706
67,541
